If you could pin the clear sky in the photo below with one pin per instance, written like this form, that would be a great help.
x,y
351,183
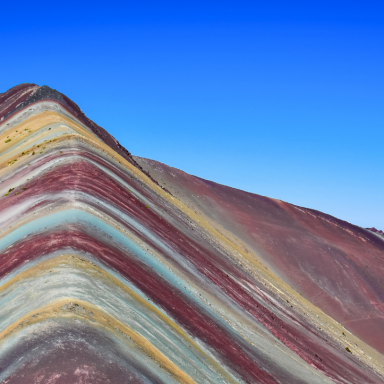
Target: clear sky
x,y
279,98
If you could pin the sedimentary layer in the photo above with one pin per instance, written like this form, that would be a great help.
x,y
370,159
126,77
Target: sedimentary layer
x,y
335,265
111,274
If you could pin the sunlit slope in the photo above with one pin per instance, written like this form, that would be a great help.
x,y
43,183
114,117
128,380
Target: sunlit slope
x,y
337,266
106,277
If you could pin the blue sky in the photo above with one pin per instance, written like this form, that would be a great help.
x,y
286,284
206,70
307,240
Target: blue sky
x,y
279,98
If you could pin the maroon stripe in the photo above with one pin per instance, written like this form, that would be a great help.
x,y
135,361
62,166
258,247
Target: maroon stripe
x,y
164,295
306,342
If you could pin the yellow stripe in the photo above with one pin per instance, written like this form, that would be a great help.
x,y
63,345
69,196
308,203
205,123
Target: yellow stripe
x,y
78,263
55,310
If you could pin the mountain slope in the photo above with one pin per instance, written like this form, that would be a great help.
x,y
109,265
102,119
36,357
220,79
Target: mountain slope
x,y
107,277
337,266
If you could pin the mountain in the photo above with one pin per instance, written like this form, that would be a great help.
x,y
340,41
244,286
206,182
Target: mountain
x,y
119,269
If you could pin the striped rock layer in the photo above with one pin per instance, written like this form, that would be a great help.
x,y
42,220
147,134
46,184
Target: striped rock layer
x,y
117,269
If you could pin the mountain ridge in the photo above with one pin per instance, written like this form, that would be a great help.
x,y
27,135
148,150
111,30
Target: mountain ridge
x,y
105,276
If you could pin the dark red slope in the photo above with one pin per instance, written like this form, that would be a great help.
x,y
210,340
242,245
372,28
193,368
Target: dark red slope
x,y
337,266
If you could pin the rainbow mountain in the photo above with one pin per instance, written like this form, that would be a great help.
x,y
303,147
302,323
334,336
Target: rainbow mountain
x,y
120,269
